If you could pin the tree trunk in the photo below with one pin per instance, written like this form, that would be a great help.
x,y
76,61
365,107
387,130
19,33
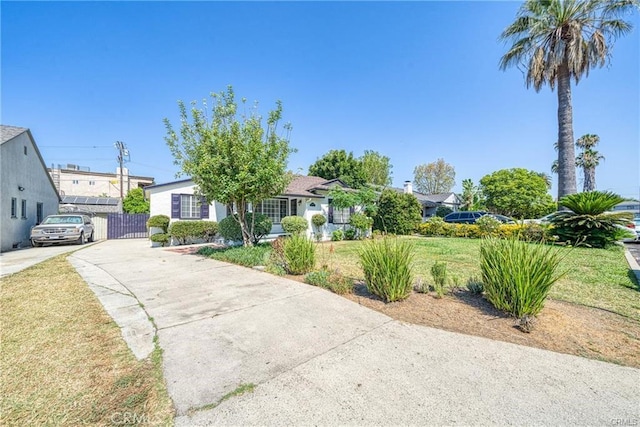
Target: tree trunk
x,y
566,149
242,219
589,179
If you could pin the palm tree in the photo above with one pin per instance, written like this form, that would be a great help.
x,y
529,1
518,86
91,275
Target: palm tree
x,y
588,159
556,40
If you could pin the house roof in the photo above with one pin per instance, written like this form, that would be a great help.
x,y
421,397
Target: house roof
x,y
430,200
7,133
164,184
440,197
307,186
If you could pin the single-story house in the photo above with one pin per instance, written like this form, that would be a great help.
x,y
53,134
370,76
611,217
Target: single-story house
x,y
305,196
431,202
27,193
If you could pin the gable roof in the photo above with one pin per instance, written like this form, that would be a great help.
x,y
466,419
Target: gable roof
x,y
7,133
441,197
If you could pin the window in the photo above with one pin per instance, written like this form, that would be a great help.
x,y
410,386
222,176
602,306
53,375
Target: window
x,y
23,209
189,206
339,216
39,215
25,150
92,183
276,209
74,181
14,207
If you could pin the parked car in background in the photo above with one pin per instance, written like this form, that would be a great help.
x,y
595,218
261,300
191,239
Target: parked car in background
x,y
544,220
503,219
63,228
464,217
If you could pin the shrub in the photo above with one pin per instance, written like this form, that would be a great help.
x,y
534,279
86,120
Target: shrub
x,y
439,274
160,221
248,256
474,285
397,213
517,275
186,231
335,282
229,227
337,235
361,224
299,254
488,225
318,220
294,224
587,222
387,268
160,238
443,211
350,234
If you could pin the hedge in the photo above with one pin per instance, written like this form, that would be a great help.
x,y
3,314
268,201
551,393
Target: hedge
x,y
184,231
527,232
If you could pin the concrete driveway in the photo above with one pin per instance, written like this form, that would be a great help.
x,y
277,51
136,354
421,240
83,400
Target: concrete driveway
x,y
319,359
14,261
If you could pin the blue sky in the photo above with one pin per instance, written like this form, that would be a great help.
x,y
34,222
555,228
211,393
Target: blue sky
x,y
415,81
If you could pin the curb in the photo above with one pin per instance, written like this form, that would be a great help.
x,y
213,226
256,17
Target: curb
x,y
633,264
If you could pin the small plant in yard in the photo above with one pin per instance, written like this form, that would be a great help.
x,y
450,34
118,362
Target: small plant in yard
x,y
162,238
250,256
439,274
361,224
421,287
350,234
488,225
337,235
159,221
475,286
387,268
517,276
333,281
318,220
299,254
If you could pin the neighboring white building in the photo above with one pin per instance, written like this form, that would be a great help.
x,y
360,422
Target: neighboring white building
x,y
74,180
628,206
27,193
305,196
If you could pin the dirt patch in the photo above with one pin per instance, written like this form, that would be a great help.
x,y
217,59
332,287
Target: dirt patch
x,y
561,327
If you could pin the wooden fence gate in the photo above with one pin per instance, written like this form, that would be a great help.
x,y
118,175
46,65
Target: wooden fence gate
x,y
127,226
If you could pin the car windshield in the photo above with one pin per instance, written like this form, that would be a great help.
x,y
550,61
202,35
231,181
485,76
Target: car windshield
x,y
63,220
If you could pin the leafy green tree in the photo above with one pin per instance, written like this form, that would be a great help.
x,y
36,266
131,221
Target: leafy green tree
x,y
556,40
398,213
471,196
231,157
434,178
588,159
377,168
134,202
338,164
517,192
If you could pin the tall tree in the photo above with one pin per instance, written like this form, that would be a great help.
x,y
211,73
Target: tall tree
x,y
232,158
588,159
471,196
134,202
377,168
434,178
338,164
517,192
557,40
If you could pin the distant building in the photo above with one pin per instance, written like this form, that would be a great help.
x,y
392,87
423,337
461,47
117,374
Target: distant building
x,y
628,206
27,193
431,202
74,180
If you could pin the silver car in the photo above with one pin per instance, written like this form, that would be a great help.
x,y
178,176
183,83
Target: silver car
x,y
63,228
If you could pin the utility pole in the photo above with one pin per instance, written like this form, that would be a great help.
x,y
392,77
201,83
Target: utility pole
x,y
122,153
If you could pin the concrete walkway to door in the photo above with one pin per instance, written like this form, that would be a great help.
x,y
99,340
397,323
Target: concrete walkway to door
x,y
319,359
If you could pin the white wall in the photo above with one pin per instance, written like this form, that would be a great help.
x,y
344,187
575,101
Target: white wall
x,y
160,200
28,172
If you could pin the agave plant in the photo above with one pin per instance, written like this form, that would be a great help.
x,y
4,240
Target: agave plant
x,y
588,221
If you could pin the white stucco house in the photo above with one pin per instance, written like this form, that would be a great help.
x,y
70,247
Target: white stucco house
x,y
305,196
27,192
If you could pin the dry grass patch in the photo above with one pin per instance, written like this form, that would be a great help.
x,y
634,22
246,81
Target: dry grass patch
x,y
64,361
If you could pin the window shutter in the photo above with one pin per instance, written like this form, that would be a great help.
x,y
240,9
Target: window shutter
x,y
175,206
204,209
352,210
330,211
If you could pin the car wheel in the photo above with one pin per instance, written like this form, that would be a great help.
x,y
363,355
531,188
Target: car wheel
x,y
81,240
36,244
91,237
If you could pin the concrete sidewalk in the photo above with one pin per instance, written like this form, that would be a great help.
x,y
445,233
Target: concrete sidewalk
x,y
317,358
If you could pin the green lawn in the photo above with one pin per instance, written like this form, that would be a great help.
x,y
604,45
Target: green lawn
x,y
595,277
